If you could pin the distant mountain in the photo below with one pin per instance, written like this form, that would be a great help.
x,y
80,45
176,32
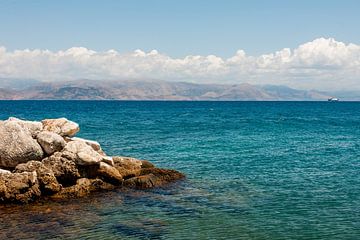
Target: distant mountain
x,y
156,90
17,84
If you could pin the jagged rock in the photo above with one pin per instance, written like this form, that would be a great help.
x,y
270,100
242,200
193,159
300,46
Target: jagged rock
x,y
153,177
61,126
108,160
17,145
32,126
47,180
64,170
50,142
110,174
82,188
127,167
82,153
95,145
19,187
146,164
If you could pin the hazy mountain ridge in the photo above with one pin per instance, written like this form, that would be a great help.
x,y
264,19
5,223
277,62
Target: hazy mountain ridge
x,y
155,90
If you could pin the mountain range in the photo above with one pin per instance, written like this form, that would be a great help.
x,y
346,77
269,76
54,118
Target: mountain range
x,y
19,89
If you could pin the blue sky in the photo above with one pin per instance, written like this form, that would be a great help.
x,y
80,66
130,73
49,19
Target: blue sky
x,y
176,28
302,44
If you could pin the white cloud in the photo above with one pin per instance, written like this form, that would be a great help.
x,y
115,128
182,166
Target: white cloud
x,y
323,64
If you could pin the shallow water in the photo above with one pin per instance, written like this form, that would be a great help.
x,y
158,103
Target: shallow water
x,y
255,170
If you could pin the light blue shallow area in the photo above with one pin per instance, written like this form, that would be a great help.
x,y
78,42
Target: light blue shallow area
x,y
255,170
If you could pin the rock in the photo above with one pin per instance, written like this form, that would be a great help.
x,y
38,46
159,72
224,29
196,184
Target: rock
x,y
98,184
146,164
82,153
95,145
80,189
50,142
3,171
47,180
61,126
19,187
108,160
32,126
110,174
127,167
17,145
153,177
64,170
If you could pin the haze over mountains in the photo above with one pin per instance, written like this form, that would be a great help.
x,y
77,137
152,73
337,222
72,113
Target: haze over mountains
x,y
18,89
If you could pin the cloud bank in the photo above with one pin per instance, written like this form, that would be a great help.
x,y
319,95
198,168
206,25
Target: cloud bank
x,y
324,64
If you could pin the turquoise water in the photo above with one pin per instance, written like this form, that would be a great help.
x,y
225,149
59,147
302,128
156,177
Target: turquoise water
x,y
255,170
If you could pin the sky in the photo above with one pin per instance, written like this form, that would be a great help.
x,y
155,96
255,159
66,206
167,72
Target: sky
x,y
303,44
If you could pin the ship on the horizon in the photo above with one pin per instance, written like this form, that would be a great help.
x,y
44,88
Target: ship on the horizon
x,y
333,99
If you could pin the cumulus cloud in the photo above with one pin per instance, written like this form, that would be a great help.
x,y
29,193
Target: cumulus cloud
x,y
323,64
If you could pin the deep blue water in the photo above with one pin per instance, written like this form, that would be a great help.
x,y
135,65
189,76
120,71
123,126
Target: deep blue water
x,y
255,170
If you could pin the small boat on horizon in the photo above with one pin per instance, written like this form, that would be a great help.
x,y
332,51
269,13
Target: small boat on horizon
x,y
332,99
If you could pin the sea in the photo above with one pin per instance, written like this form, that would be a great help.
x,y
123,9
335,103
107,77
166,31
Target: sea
x,y
254,170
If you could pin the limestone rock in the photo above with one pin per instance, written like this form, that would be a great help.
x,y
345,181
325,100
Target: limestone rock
x,y
17,145
110,174
61,126
153,177
3,171
47,180
50,142
82,153
127,167
146,164
32,126
95,145
64,170
19,187
80,189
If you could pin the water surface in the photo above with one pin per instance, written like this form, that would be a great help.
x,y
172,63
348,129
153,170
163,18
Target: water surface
x,y
255,170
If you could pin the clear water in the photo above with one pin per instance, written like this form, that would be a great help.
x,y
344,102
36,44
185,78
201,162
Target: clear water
x,y
255,170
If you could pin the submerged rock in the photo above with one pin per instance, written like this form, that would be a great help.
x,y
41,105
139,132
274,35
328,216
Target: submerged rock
x,y
153,177
43,159
17,145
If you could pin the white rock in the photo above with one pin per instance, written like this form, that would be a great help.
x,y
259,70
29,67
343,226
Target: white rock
x,y
61,126
84,154
3,171
17,145
95,145
50,142
32,126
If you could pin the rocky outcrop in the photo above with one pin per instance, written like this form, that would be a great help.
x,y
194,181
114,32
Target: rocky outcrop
x,y
43,159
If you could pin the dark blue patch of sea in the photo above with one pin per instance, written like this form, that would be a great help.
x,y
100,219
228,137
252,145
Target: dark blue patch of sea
x,y
255,170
